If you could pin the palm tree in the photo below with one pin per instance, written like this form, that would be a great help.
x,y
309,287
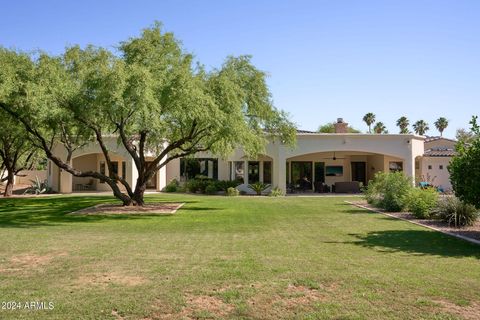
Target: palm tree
x,y
380,128
441,124
369,119
420,127
403,124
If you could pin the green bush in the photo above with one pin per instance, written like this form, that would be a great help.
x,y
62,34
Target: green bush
x,y
456,212
172,186
258,187
224,185
276,192
389,191
464,168
422,202
232,192
211,188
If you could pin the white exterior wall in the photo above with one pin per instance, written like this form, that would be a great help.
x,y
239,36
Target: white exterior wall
x,y
435,175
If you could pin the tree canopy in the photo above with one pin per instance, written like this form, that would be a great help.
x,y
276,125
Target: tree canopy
x,y
369,119
16,150
152,96
330,128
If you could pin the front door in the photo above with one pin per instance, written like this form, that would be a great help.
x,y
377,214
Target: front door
x,y
359,172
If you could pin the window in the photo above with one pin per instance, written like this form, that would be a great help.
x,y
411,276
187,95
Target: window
x,y
115,167
429,167
395,166
319,171
190,168
102,169
267,172
440,167
334,171
302,173
253,171
239,167
124,169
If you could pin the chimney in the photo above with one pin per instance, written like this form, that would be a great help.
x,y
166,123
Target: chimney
x,y
341,126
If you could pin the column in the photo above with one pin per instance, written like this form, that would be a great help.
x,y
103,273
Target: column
x,y
245,172
279,171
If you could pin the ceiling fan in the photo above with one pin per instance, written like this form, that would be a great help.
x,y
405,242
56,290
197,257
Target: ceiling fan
x,y
334,157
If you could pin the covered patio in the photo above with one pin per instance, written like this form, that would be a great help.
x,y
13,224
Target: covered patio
x,y
341,172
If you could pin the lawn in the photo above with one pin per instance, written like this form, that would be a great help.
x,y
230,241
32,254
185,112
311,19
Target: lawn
x,y
234,258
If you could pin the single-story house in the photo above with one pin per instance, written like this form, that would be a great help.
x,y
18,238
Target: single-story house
x,y
319,160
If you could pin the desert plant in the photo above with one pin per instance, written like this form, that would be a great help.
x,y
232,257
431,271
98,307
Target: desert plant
x,y
456,212
276,192
37,187
388,191
258,187
232,192
226,184
422,202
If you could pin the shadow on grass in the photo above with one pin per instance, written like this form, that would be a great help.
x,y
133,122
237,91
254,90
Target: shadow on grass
x,y
51,211
418,242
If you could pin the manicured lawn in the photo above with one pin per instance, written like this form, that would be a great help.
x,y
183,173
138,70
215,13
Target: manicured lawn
x,y
264,258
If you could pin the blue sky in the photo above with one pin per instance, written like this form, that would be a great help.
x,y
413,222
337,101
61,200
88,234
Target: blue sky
x,y
325,59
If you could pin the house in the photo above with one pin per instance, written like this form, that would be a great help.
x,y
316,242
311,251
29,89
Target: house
x,y
434,162
320,158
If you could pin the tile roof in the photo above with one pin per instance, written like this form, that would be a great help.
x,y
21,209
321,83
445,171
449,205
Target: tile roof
x,y
435,138
440,152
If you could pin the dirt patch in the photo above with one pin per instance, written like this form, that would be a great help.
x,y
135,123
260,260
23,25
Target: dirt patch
x,y
104,279
469,312
30,261
209,304
151,208
471,232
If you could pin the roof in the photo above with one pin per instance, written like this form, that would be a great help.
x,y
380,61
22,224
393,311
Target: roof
x,y
440,152
435,138
305,131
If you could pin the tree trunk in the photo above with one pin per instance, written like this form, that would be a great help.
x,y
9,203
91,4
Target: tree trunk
x,y
9,186
139,193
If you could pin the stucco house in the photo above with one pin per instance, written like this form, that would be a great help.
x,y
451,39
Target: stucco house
x,y
320,158
434,162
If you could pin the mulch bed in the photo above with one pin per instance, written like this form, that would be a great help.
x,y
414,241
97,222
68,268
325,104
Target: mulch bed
x,y
147,209
471,232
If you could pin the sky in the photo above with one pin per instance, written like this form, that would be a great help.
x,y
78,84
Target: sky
x,y
325,59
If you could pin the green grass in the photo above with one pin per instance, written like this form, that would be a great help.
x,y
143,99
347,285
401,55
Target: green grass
x,y
237,258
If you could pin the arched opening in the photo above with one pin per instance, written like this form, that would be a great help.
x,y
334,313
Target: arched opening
x,y
96,162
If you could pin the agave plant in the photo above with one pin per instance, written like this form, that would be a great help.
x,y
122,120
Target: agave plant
x,y
258,187
37,187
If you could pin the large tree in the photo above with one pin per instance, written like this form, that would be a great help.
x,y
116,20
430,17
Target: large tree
x,y
465,136
420,127
441,124
154,99
403,124
16,150
464,168
369,119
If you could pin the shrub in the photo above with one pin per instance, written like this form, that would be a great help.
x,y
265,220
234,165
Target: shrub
x,y
172,186
192,185
258,187
232,192
464,168
456,212
389,191
211,189
422,202
226,184
276,192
